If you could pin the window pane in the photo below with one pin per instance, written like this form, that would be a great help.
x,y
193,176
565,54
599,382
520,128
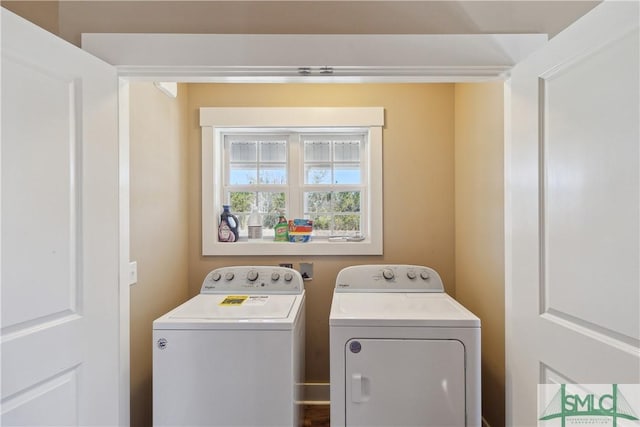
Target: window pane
x,y
346,223
243,152
317,151
321,223
240,174
241,203
346,201
346,151
317,202
273,151
273,174
270,205
331,162
347,174
317,174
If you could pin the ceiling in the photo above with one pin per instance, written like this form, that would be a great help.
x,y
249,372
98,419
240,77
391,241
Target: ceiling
x,y
316,18
319,17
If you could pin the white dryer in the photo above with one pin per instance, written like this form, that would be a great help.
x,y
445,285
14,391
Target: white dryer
x,y
402,351
234,354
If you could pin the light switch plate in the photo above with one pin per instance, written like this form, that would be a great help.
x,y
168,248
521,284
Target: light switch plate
x,y
133,272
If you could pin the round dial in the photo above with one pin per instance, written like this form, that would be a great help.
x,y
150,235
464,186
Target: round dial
x,y
387,274
288,277
275,276
411,274
229,276
216,276
252,275
425,275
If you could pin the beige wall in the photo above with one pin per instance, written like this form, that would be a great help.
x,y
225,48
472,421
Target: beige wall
x,y
42,13
159,228
479,234
418,186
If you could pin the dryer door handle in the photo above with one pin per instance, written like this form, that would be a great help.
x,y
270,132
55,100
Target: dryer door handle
x,y
359,388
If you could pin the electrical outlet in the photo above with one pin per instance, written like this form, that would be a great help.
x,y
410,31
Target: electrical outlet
x,y
306,270
286,265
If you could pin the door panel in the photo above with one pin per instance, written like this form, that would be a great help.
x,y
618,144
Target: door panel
x,y
50,402
400,382
573,210
60,232
589,195
41,171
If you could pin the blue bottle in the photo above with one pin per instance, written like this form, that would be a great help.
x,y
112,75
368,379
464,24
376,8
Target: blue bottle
x,y
228,228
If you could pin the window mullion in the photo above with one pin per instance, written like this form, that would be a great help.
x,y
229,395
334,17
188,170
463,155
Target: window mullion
x,y
296,178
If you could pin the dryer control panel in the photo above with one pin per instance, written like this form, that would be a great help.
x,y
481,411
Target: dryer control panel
x,y
253,279
388,278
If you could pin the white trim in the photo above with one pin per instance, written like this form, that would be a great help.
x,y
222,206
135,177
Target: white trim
x,y
212,119
124,173
508,279
400,74
330,58
291,117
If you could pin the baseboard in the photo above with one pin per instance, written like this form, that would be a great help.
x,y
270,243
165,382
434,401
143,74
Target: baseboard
x,y
485,423
314,394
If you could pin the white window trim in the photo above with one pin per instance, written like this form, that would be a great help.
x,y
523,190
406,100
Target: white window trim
x,y
213,119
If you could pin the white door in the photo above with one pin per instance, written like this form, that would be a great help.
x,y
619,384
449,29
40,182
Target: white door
x,y
572,209
404,382
60,265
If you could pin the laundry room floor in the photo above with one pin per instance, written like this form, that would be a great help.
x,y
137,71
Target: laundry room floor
x,y
316,416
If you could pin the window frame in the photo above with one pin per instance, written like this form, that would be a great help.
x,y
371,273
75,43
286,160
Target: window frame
x,y
214,121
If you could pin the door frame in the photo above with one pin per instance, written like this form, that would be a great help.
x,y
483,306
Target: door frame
x,y
165,71
125,241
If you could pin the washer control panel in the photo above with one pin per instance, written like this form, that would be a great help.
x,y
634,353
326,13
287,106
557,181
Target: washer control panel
x,y
388,278
253,279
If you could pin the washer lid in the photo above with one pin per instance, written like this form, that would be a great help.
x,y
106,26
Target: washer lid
x,y
399,309
244,311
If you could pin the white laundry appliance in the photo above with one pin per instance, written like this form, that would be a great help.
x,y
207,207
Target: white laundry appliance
x,y
234,354
402,351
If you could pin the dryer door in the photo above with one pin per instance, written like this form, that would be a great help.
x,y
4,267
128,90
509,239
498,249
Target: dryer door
x,y
404,382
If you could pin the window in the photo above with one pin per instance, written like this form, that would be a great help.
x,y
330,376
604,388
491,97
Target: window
x,y
323,164
256,174
317,175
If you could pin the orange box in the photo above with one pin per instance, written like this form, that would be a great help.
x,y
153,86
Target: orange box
x,y
300,226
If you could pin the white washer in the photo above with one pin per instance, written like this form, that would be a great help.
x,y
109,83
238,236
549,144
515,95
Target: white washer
x,y
234,354
402,351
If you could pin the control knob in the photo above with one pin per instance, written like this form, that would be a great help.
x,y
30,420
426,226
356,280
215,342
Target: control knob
x,y
411,274
216,276
387,274
229,276
425,275
288,277
252,275
275,276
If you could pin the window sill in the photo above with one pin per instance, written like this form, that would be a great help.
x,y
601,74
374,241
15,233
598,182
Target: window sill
x,y
267,246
